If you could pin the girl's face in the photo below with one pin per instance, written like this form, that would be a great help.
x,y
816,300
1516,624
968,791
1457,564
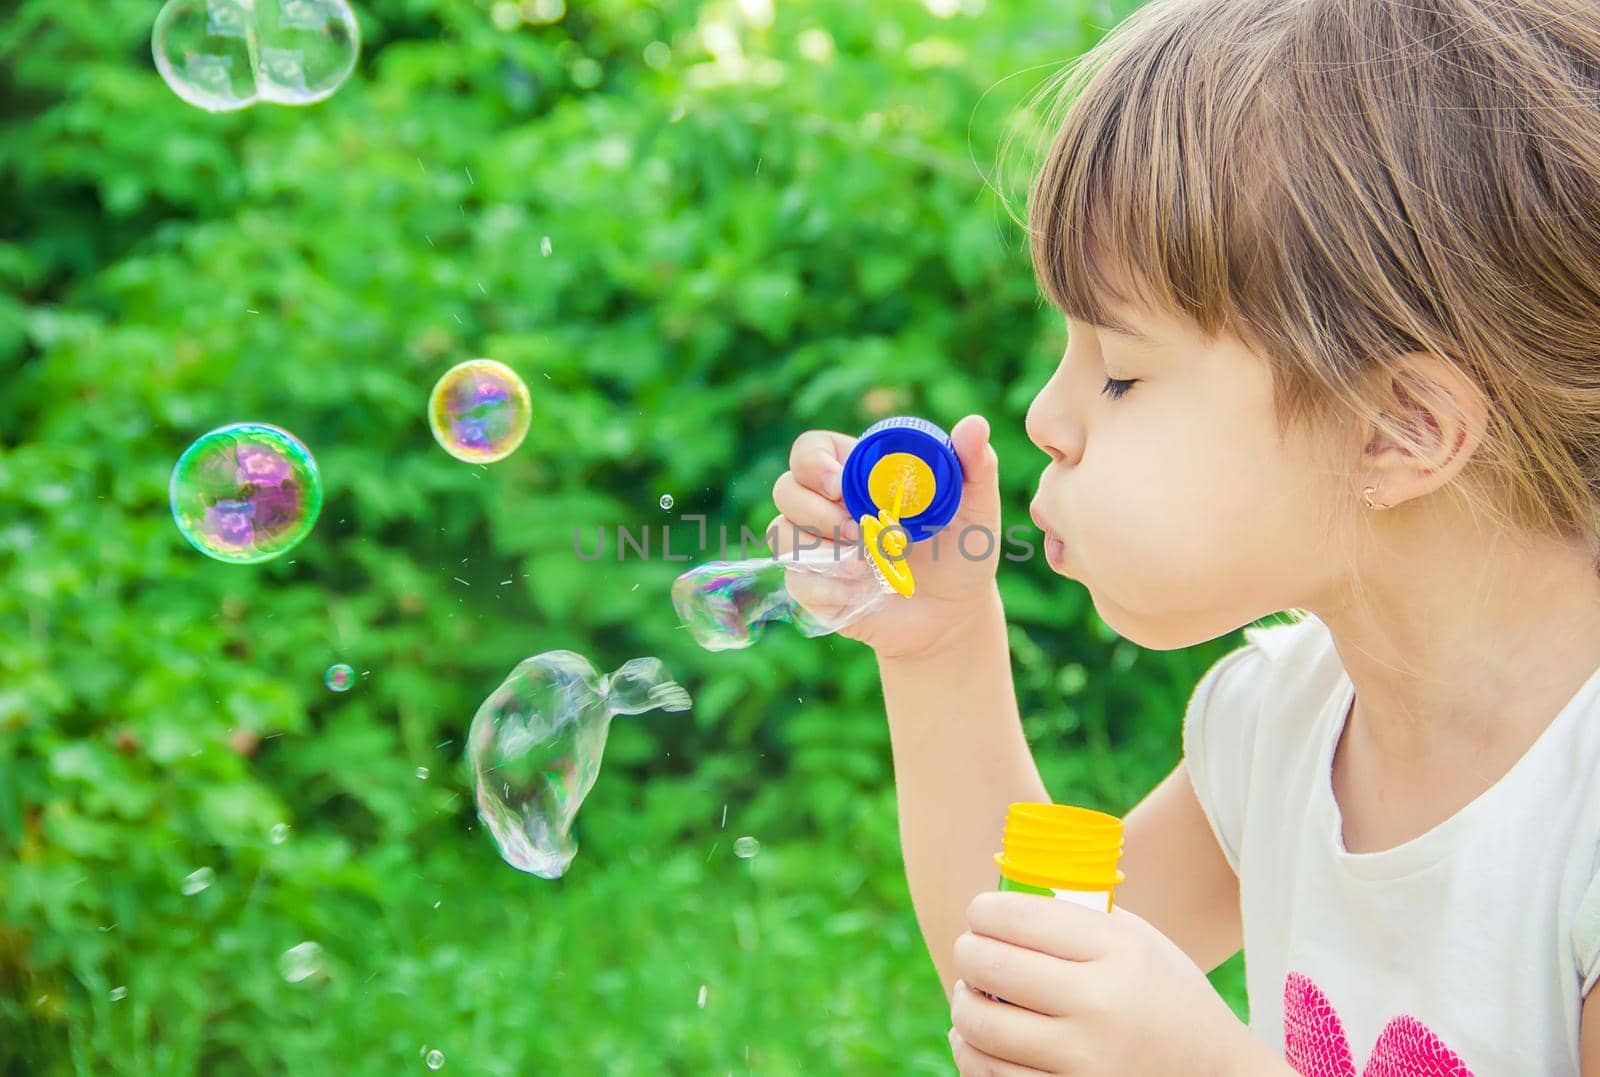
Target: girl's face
x,y
1176,503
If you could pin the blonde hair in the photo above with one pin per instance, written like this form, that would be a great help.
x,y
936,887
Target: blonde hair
x,y
1338,182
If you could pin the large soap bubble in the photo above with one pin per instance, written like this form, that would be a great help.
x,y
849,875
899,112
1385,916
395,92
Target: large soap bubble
x,y
536,743
246,492
479,411
727,604
222,55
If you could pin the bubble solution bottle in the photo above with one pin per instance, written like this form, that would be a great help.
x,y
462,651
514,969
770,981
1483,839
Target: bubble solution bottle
x,y
1061,851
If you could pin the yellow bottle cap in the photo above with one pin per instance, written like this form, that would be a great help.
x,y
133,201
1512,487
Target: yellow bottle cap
x,y
1061,847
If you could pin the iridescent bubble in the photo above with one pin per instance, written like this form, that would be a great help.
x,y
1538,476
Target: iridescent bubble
x,y
339,677
300,962
435,1059
222,55
246,492
536,743
728,604
198,880
479,411
746,847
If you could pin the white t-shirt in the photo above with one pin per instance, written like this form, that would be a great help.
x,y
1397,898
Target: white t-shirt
x,y
1466,951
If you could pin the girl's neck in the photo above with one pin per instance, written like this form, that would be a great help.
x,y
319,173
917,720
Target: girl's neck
x,y
1460,660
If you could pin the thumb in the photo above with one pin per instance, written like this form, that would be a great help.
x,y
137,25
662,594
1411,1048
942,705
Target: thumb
x,y
980,467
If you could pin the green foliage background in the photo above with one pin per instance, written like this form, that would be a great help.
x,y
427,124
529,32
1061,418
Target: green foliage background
x,y
745,240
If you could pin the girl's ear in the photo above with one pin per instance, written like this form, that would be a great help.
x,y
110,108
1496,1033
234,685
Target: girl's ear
x,y
1439,416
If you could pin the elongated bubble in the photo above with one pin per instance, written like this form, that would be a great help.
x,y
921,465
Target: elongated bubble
x,y
727,605
222,55
536,745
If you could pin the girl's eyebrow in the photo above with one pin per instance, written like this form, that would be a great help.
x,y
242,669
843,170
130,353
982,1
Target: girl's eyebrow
x,y
1129,332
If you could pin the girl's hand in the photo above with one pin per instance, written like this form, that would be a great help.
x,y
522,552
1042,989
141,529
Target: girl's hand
x,y
1092,994
954,578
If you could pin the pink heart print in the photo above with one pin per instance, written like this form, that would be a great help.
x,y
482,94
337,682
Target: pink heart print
x,y
1315,1044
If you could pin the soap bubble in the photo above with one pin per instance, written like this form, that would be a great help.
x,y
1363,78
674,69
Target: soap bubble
x,y
339,677
300,962
727,604
246,492
435,1059
279,833
666,501
222,55
422,774
746,847
535,746
198,880
118,994
479,411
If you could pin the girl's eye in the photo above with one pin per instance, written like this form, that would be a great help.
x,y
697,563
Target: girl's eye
x,y
1115,387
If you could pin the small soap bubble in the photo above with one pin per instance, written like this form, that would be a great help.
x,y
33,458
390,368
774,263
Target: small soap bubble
x,y
536,744
666,501
279,833
422,774
198,880
118,994
746,847
222,55
339,677
300,962
245,492
727,604
435,1059
479,411
701,1001
544,246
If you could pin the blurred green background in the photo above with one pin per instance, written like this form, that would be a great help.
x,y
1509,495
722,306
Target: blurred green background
x,y
697,229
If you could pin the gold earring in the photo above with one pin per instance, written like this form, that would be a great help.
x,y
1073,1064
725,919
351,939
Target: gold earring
x,y
1367,493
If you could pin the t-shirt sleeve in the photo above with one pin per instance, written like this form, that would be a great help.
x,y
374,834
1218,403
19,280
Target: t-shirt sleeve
x,y
1219,728
1586,934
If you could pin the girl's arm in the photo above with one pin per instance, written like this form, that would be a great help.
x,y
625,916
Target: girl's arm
x,y
1178,878
960,760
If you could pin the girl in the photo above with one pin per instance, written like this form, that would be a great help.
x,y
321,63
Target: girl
x,y
1331,278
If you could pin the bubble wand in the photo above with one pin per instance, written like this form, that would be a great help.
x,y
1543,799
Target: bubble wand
x,y
901,483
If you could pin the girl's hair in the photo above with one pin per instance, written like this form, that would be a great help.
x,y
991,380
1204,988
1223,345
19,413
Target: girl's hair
x,y
1338,182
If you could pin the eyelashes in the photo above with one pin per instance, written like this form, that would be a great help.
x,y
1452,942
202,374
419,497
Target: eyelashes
x,y
1115,387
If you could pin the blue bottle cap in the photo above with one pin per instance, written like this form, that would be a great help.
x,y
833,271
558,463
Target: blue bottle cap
x,y
915,437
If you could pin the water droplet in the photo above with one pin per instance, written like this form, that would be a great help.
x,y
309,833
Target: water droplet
x,y
198,880
435,1059
118,994
746,847
279,833
300,962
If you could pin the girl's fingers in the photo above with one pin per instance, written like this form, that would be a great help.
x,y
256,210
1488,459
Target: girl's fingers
x,y
803,507
817,460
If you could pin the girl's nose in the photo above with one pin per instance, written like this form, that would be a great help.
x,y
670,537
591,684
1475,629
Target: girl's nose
x,y
1050,424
